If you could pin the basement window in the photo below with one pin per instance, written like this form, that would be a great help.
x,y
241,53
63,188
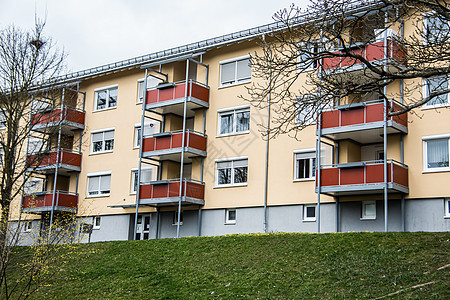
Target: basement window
x,y
368,210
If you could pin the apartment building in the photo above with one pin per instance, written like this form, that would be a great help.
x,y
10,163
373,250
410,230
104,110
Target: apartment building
x,y
163,146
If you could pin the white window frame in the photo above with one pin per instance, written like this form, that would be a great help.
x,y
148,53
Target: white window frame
x,y
236,80
427,139
27,186
426,93
103,131
426,16
27,226
134,178
364,215
97,222
228,220
137,127
101,175
311,155
230,160
447,208
175,218
232,111
108,90
150,85
305,215
314,45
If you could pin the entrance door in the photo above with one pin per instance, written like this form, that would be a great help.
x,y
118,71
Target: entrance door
x,y
143,227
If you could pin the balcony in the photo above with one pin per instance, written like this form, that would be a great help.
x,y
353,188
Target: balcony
x,y
373,52
68,117
362,122
47,162
168,145
167,192
169,97
363,178
42,202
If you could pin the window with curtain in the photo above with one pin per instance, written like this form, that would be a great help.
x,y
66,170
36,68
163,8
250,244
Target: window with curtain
x,y
235,71
437,153
436,84
234,121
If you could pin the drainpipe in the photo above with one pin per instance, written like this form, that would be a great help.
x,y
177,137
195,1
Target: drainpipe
x,y
266,178
319,121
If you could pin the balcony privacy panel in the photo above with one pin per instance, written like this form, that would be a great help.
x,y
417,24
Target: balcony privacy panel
x,y
62,199
178,91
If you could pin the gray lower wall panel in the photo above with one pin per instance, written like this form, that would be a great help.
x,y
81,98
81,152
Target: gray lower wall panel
x,y
112,228
426,215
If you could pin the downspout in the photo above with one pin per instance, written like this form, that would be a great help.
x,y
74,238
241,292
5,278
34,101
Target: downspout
x,y
266,178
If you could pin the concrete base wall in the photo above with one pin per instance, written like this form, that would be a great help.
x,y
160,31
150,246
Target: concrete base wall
x,y
426,215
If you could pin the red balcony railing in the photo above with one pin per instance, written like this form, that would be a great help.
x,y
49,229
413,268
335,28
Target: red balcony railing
x,y
69,159
64,201
372,53
362,113
173,91
168,141
65,115
363,176
162,190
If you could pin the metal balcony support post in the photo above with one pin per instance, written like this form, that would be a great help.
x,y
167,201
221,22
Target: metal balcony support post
x,y
141,138
266,171
200,209
57,162
386,228
337,214
183,141
319,121
157,223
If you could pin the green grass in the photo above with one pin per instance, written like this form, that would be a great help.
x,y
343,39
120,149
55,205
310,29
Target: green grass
x,y
347,265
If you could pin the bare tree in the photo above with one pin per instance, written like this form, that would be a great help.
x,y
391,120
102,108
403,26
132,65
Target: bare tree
x,y
311,64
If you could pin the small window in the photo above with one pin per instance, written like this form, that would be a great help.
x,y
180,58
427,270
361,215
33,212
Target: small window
x,y
146,176
369,210
152,82
232,172
235,71
99,185
309,213
27,226
33,185
308,51
36,145
175,218
102,141
447,207
436,29
97,221
307,109
305,165
149,129
433,85
106,98
234,121
2,120
230,216
436,154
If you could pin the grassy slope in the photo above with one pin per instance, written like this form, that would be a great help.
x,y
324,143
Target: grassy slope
x,y
351,265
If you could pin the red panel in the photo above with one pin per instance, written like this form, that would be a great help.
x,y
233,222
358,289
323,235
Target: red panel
x,y
330,119
180,91
174,189
374,173
352,176
399,53
374,112
163,142
353,116
400,119
200,92
145,191
73,159
197,141
195,190
401,175
177,140
375,51
67,200
152,96
165,94
329,177
160,191
73,115
331,63
148,144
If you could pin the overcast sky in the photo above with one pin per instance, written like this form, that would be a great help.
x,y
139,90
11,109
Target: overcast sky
x,y
97,32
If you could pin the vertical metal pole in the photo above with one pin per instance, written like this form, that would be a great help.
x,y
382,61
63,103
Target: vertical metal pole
x,y
141,138
57,162
157,223
182,147
385,133
337,214
319,120
266,172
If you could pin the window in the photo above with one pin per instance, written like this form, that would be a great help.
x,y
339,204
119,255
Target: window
x,y
234,121
175,218
36,145
368,210
305,165
151,83
232,172
436,153
436,29
27,226
307,109
436,84
99,185
447,207
33,185
230,216
308,50
106,97
97,220
146,176
2,120
235,71
149,129
309,213
102,141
